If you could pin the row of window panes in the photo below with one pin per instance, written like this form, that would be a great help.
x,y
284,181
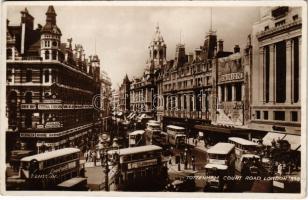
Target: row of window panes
x,y
278,115
29,76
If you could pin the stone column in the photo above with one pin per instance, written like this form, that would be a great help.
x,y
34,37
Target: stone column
x,y
188,102
233,92
243,92
50,76
203,101
194,102
272,74
182,102
219,93
226,93
289,71
262,74
13,53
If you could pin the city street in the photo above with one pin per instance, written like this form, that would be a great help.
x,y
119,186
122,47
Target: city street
x,y
140,107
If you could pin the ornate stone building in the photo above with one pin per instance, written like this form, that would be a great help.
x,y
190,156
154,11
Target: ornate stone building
x,y
124,95
50,86
143,90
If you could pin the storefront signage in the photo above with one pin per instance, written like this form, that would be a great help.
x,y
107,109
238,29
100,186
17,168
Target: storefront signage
x,y
52,125
27,134
28,106
231,77
140,164
68,106
231,105
49,106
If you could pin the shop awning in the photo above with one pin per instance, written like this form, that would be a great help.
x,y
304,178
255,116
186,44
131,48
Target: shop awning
x,y
71,182
270,136
220,129
294,140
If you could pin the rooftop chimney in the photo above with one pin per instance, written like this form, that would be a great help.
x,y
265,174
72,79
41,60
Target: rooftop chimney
x,y
237,49
220,45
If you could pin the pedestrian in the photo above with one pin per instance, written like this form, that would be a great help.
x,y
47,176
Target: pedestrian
x,y
94,158
273,143
85,155
279,169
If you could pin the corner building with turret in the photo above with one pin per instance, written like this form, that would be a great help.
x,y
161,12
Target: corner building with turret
x,y
50,86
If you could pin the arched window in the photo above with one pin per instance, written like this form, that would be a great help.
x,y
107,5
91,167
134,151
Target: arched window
x,y
155,53
46,54
28,97
46,75
28,75
161,53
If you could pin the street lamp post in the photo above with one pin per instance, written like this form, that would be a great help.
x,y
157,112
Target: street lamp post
x,y
105,164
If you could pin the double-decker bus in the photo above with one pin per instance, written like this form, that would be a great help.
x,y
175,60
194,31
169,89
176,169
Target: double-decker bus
x,y
242,147
137,138
153,131
176,135
50,169
139,168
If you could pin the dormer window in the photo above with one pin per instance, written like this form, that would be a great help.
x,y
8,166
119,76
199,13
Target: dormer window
x,y
266,28
295,17
280,23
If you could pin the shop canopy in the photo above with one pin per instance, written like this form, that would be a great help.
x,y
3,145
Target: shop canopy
x,y
294,140
270,136
221,129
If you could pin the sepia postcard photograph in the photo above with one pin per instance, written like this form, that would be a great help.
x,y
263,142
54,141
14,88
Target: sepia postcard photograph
x,y
165,99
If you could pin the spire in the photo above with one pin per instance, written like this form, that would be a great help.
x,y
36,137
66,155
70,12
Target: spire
x,y
157,36
51,25
51,15
211,20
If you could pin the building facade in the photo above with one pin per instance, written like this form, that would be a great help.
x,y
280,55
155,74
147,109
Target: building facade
x,y
50,86
105,98
276,97
124,95
143,90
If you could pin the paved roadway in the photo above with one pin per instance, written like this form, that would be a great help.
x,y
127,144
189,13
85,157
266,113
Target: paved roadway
x,y
200,161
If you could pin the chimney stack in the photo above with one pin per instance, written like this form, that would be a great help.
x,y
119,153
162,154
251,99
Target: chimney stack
x,y
237,49
220,45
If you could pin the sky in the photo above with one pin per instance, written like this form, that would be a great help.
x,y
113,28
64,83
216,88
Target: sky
x,y
120,35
